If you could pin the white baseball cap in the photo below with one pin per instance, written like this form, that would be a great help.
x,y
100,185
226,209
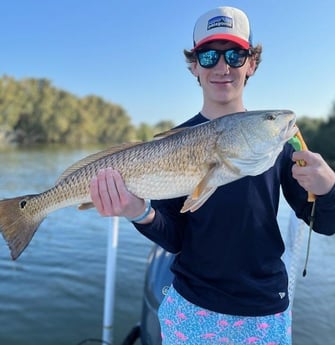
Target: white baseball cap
x,y
223,23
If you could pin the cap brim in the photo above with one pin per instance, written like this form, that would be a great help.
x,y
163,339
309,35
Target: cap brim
x,y
223,37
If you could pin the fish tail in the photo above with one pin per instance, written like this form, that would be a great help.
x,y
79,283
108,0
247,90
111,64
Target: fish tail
x,y
18,223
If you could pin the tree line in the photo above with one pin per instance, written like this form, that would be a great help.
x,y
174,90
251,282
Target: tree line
x,y
319,135
34,111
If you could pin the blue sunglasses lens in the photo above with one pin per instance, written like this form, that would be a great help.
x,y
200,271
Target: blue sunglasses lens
x,y
208,59
235,58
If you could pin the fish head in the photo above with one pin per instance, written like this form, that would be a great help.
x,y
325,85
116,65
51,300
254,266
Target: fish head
x,y
264,131
256,138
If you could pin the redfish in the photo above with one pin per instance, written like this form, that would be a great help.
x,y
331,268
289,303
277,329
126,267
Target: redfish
x,y
190,162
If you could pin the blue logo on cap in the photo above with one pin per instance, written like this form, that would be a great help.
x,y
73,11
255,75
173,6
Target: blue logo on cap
x,y
219,22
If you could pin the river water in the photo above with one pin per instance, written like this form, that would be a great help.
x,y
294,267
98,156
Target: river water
x,y
54,293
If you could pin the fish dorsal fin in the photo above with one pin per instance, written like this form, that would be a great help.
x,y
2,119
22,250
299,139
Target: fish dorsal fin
x,y
169,132
94,157
201,192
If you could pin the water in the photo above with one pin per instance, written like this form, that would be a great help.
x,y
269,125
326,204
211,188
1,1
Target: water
x,y
53,294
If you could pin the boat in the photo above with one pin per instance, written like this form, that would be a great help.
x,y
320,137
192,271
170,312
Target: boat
x,y
158,278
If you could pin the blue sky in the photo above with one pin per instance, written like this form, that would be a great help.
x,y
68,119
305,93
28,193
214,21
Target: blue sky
x,y
131,52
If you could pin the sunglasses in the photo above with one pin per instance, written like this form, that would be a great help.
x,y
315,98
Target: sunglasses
x,y
234,58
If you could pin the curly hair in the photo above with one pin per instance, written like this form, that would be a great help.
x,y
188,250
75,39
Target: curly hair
x,y
256,53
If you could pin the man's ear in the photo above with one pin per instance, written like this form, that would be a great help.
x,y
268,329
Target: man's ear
x,y
252,67
194,70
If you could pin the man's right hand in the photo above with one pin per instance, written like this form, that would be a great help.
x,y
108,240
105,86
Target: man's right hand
x,y
111,197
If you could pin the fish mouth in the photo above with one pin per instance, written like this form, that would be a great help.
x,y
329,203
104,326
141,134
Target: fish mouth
x,y
290,130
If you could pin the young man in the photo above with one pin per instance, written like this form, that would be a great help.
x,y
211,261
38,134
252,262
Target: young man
x,y
230,284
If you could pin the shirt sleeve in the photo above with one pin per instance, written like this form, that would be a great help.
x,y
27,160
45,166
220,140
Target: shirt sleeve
x,y
296,196
325,213
167,227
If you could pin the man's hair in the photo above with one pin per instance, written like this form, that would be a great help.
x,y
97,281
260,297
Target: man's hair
x,y
256,53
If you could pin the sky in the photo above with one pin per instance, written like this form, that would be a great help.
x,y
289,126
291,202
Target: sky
x,y
131,52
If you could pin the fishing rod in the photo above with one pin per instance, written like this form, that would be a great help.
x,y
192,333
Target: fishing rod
x,y
299,144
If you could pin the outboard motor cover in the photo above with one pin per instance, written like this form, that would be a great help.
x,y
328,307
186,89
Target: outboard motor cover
x,y
157,281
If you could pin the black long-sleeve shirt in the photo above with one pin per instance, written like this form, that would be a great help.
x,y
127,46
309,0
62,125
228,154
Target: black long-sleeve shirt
x,y
229,251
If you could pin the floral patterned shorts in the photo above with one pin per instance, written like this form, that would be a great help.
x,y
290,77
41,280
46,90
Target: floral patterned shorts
x,y
185,323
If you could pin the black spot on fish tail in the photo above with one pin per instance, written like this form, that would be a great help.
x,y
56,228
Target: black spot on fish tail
x,y
23,203
18,223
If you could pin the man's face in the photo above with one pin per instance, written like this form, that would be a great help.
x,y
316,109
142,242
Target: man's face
x,y
223,84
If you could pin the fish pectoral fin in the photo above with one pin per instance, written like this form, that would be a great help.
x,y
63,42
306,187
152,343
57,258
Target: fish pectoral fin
x,y
202,185
231,166
85,206
192,204
201,192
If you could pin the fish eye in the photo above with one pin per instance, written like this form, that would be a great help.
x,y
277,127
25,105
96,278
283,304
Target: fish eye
x,y
23,203
271,116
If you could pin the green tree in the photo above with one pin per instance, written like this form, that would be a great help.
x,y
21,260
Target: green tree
x,y
34,111
309,128
144,132
163,126
325,139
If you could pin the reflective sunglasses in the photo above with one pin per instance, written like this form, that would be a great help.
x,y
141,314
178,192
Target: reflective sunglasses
x,y
234,58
